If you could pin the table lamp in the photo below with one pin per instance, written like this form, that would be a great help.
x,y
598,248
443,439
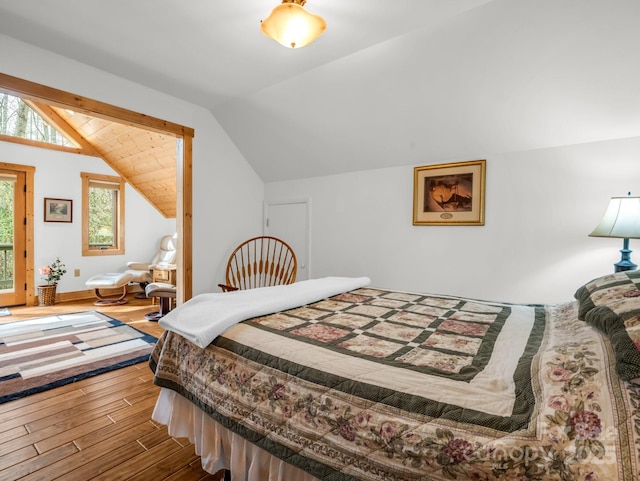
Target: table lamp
x,y
621,220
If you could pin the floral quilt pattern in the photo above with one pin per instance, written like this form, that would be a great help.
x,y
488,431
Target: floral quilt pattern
x,y
582,423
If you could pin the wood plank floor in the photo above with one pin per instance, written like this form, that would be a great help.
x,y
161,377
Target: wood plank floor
x,y
98,428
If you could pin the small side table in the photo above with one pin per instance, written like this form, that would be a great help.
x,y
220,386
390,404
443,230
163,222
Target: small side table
x,y
164,273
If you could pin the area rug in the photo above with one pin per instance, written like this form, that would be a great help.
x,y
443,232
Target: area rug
x,y
47,352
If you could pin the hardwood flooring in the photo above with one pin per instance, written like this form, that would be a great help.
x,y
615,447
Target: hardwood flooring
x,y
98,428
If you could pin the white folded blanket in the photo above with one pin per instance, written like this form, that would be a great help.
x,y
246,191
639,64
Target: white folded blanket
x,y
206,316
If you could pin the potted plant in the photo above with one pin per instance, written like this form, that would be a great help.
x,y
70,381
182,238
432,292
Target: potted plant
x,y
52,274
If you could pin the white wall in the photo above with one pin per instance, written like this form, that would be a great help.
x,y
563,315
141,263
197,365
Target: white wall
x,y
227,194
57,175
540,206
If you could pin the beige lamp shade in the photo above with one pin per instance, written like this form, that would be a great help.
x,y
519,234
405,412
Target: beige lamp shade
x,y
291,25
622,219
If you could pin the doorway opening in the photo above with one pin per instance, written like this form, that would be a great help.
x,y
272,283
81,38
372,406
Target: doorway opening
x,y
31,91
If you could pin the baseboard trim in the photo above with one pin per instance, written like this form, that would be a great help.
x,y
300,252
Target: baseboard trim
x,y
86,294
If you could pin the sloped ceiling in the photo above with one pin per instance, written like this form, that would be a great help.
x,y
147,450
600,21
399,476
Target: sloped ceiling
x,y
389,84
143,158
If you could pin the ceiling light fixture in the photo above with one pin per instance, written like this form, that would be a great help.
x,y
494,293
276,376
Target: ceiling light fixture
x,y
291,25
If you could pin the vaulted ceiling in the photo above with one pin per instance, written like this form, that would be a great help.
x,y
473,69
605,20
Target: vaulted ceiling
x,y
388,84
144,158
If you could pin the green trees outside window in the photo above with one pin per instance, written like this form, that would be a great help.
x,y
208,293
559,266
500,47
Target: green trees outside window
x,y
102,214
6,233
17,119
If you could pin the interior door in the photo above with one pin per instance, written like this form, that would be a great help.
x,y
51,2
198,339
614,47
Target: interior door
x,y
13,194
289,221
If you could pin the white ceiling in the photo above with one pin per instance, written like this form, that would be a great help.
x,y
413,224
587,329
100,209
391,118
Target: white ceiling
x,y
390,83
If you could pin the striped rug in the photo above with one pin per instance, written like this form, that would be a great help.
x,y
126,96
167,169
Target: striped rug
x,y
47,352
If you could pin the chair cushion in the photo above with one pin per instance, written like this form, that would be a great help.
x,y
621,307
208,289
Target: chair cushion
x,y
139,276
109,280
138,266
167,252
160,289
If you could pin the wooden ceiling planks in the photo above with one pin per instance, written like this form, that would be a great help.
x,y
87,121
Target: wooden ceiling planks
x,y
145,159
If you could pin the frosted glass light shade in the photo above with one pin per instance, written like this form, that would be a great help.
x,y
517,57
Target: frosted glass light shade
x,y
291,25
622,219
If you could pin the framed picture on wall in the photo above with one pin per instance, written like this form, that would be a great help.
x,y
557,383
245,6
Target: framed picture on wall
x,y
449,194
58,210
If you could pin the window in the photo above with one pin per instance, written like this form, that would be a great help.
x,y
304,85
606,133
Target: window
x,y
102,215
17,119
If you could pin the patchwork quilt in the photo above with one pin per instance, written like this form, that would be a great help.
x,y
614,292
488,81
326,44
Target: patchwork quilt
x,y
375,384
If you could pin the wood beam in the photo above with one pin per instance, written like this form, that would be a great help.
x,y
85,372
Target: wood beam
x,y
52,117
33,91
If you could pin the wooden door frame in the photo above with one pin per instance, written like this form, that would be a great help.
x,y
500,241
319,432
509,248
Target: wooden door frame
x,y
28,172
184,164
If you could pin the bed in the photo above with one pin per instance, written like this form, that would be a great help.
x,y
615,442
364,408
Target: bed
x,y
353,382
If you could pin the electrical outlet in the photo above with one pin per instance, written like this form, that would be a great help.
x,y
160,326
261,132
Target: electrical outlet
x,y
76,273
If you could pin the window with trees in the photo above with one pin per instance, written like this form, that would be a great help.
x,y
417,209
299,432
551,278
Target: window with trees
x,y
102,215
17,119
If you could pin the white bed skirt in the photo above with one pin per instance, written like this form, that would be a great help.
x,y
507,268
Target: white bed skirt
x,y
218,447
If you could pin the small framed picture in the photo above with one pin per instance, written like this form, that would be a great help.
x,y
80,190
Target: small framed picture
x,y
449,194
58,210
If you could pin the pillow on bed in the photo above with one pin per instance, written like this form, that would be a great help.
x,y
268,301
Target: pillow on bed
x,y
620,321
606,289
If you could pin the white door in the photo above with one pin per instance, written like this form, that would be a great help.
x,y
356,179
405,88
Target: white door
x,y
289,221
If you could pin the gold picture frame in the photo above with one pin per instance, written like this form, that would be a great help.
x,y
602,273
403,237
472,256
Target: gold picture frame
x,y
58,210
449,194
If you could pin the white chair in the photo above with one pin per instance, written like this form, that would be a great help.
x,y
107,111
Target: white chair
x,y
141,271
114,280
